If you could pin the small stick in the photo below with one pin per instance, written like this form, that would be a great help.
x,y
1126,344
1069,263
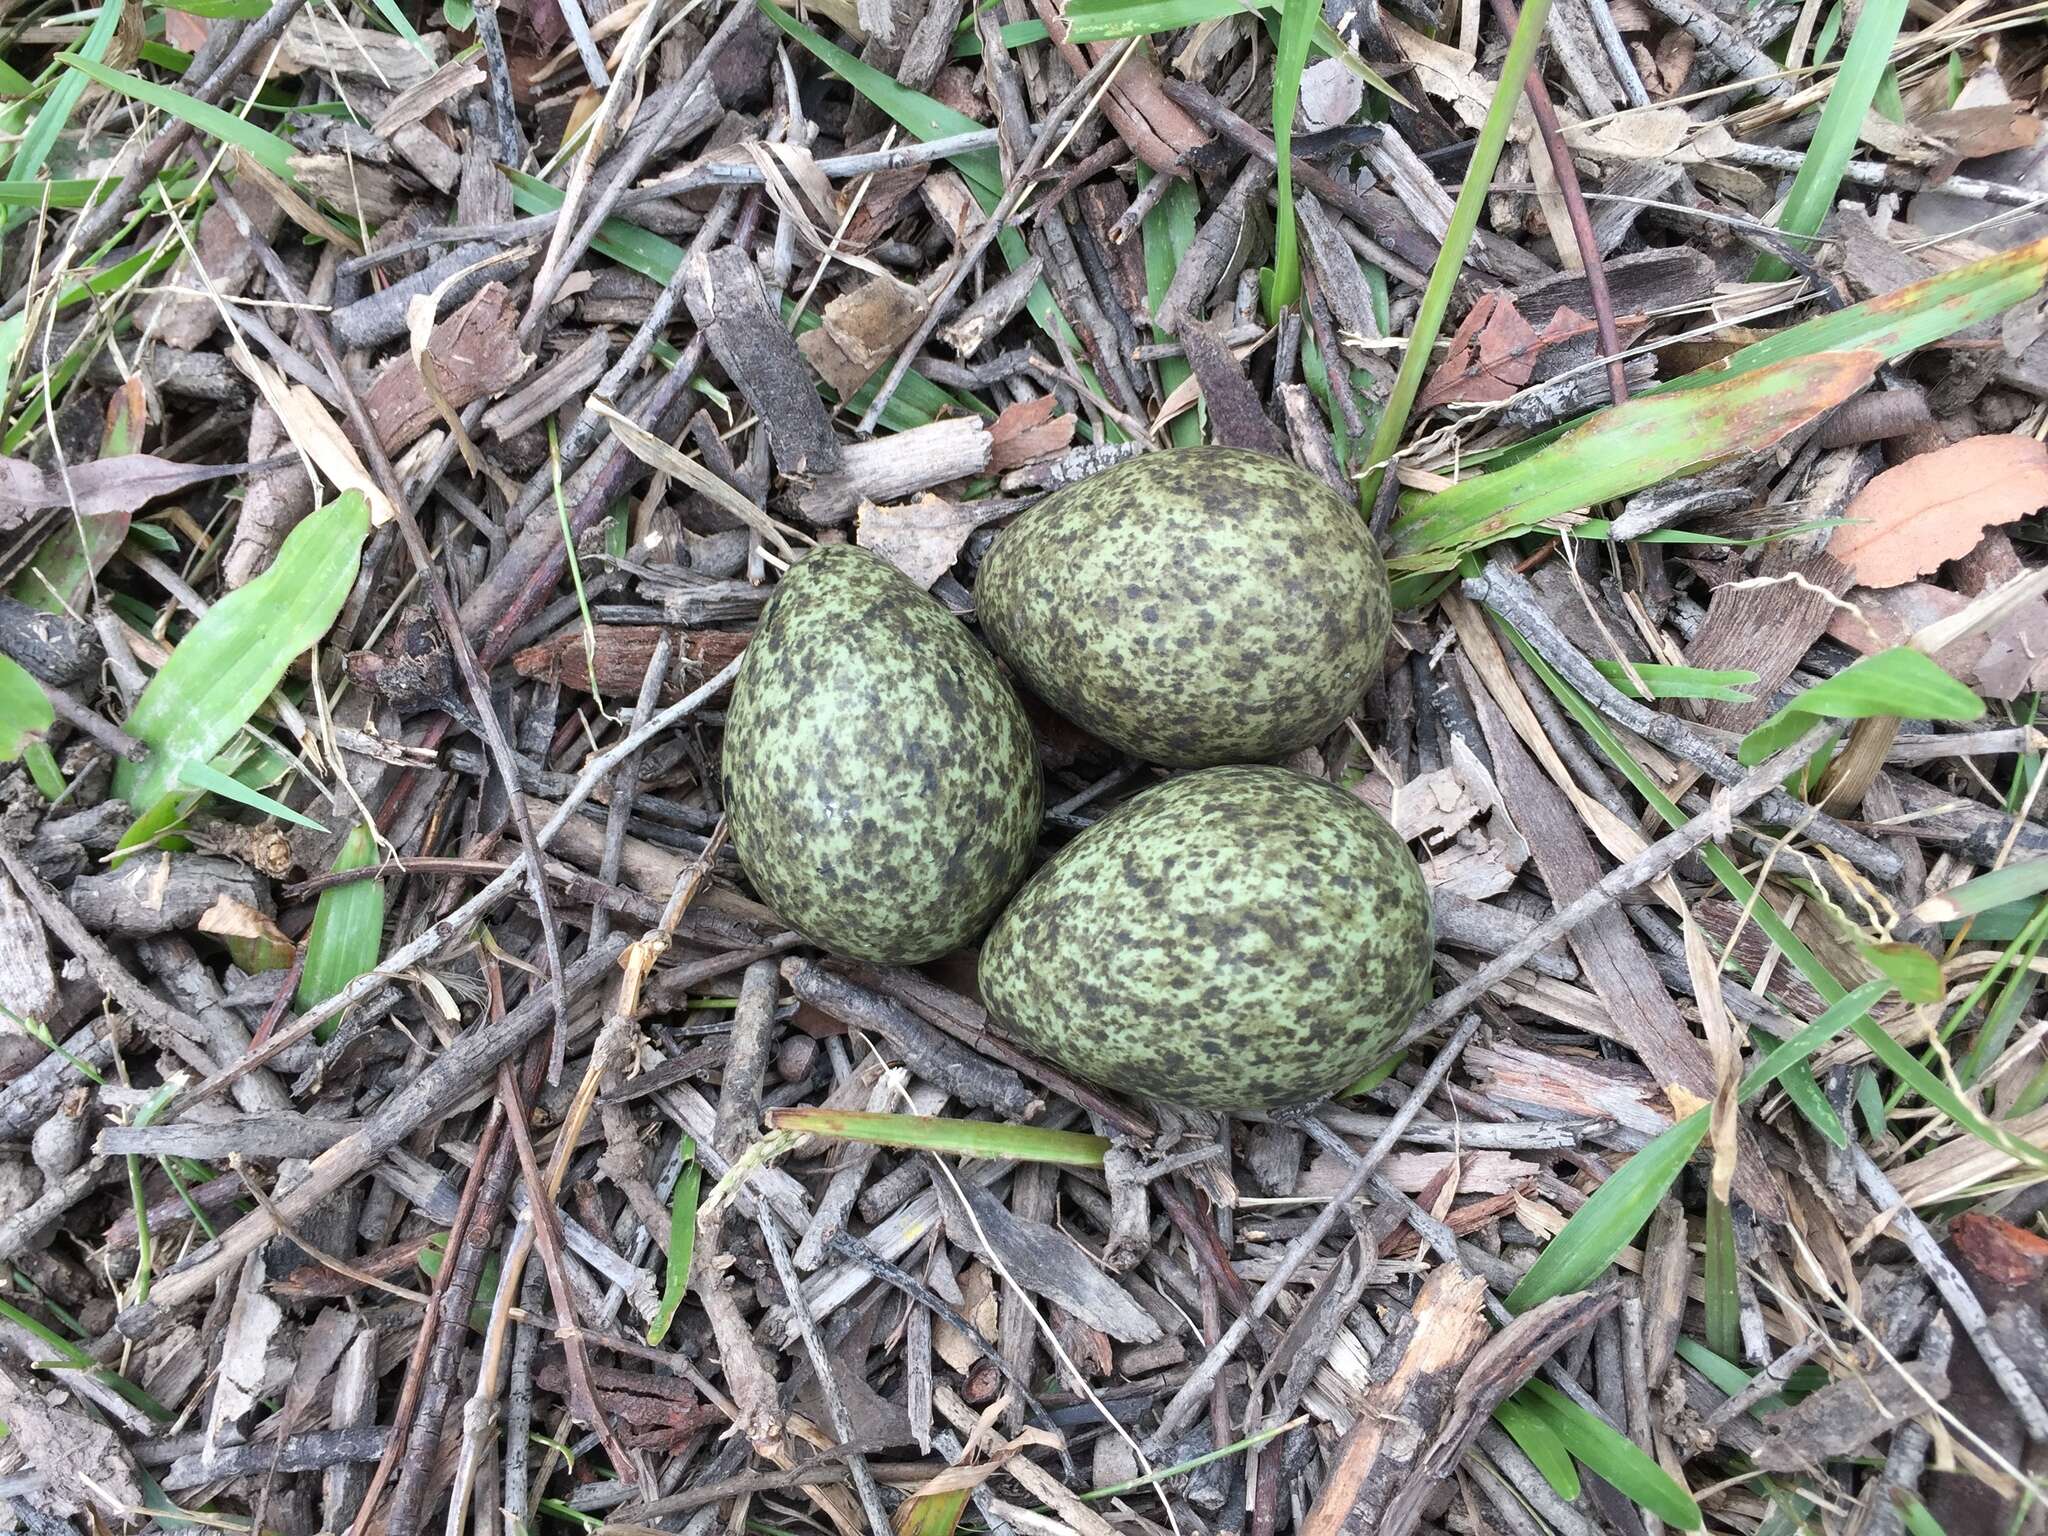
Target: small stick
x,y
821,1363
89,723
1021,182
547,1232
1575,206
456,923
626,786
1195,1390
746,1063
1955,1290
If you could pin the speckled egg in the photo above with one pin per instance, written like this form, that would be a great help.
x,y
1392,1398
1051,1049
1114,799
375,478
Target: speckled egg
x,y
1240,938
881,782
1196,606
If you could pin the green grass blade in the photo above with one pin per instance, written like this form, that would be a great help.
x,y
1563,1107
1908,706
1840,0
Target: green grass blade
x,y
1804,1092
25,712
1796,1047
932,1514
1529,1429
1609,1221
206,777
1726,1375
1164,1474
55,114
919,115
1169,233
226,665
1669,682
2015,882
961,1138
1614,1457
682,1242
1620,451
1724,1300
1898,682
1102,21
348,928
43,770
1901,321
1464,222
267,149
1841,120
1916,973
1297,22
391,13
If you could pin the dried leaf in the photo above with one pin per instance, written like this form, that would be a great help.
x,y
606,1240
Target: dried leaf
x,y
98,488
1495,352
1971,133
419,324
1999,1251
254,940
860,332
1471,847
314,433
1028,431
1935,507
670,460
921,538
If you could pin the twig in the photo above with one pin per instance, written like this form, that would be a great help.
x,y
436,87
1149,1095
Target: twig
x,y
821,1365
479,688
1955,1290
79,718
98,222
1575,205
1021,182
618,813
1194,1391
540,1213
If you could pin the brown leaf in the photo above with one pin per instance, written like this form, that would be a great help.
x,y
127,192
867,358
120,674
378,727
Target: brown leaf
x,y
102,486
1935,507
1495,352
1999,1251
1026,431
921,538
1970,133
860,332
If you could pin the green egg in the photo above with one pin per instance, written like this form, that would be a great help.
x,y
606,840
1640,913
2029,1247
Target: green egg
x,y
1239,938
881,782
1192,607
